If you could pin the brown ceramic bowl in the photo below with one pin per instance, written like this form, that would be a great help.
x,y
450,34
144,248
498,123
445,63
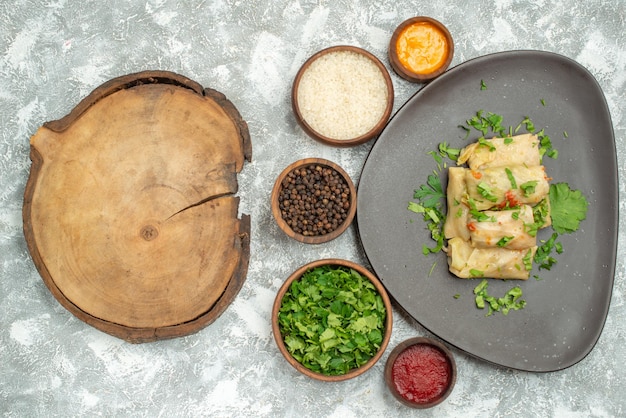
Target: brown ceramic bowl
x,y
331,100
296,275
430,395
406,71
301,235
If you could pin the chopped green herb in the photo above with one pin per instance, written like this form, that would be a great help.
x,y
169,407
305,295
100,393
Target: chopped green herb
x,y
510,300
509,174
508,140
451,153
467,131
530,126
528,188
332,320
565,134
543,102
476,273
483,86
504,241
434,219
545,146
541,212
543,255
486,192
486,122
528,260
432,268
485,142
457,296
475,213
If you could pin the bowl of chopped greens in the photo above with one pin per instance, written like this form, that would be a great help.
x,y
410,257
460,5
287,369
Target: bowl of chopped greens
x,y
332,319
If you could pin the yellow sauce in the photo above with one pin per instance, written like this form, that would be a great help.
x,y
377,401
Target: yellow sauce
x,y
422,47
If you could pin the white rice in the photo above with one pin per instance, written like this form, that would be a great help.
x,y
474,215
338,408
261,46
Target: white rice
x,y
342,95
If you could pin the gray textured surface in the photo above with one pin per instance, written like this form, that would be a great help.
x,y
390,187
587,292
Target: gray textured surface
x,y
53,53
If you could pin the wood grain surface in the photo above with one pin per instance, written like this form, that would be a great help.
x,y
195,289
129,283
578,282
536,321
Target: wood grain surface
x,y
130,212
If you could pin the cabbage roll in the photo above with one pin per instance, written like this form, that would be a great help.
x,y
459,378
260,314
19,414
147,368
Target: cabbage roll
x,y
501,187
456,219
467,262
516,150
503,229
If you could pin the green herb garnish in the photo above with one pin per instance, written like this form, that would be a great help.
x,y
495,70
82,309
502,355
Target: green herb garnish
x,y
528,260
543,255
332,320
528,188
485,142
483,86
476,214
476,273
451,153
510,300
509,174
430,197
486,192
486,122
567,208
502,242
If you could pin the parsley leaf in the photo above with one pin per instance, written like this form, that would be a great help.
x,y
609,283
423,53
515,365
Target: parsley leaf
x,y
568,208
430,198
431,193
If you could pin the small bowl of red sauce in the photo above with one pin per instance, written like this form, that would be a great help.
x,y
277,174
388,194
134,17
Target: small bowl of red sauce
x,y
420,372
421,48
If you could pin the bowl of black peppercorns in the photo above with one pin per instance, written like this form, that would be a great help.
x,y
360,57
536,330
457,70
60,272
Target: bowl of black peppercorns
x,y
313,200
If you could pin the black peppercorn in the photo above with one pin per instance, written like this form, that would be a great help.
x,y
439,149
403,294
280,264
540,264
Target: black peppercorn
x,y
314,200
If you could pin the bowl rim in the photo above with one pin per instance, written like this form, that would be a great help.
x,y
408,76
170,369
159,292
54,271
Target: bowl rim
x,y
406,73
316,239
397,350
296,275
377,129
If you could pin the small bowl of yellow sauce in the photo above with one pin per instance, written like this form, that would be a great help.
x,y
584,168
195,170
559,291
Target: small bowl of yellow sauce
x,y
421,48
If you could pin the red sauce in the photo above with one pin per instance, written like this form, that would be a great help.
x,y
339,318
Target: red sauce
x,y
421,373
510,200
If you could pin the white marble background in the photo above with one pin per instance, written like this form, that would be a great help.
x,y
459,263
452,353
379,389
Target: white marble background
x,y
54,52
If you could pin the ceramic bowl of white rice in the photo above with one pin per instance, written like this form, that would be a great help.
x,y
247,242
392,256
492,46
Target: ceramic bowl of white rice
x,y
342,96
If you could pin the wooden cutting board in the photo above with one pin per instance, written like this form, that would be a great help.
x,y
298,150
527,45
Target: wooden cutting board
x,y
130,213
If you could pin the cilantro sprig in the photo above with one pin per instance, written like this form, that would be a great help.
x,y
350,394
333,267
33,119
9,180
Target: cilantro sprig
x,y
430,198
332,320
568,208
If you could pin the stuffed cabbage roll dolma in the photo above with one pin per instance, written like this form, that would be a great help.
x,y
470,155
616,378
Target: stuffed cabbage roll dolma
x,y
468,262
506,186
517,150
503,229
456,219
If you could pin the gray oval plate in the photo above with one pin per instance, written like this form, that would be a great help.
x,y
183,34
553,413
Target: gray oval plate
x,y
567,307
